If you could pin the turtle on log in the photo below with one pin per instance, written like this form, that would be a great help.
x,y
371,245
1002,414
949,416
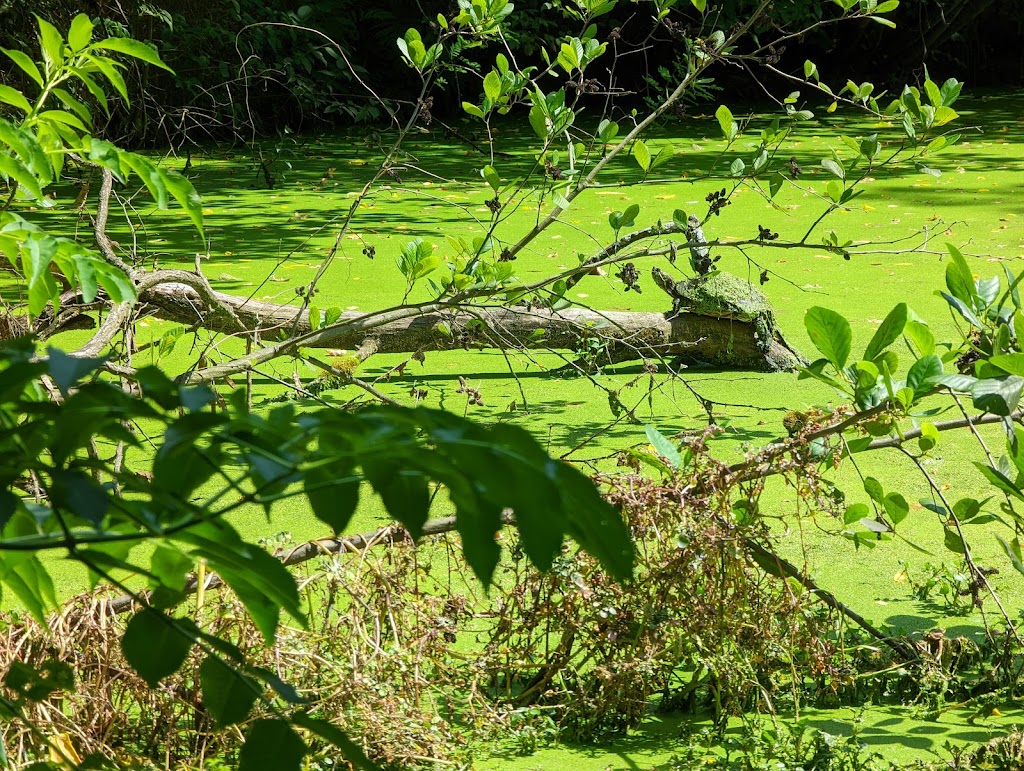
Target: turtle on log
x,y
724,296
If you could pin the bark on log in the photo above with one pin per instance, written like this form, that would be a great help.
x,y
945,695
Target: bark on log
x,y
724,343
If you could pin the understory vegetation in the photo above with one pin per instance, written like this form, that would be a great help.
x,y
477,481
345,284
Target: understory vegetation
x,y
564,399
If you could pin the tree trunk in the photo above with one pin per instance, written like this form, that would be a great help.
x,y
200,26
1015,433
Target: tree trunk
x,y
613,336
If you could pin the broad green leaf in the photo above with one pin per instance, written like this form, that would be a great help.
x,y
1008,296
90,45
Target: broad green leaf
x,y
642,155
15,170
52,44
261,582
492,86
963,309
952,541
329,732
663,446
134,48
403,490
629,216
333,491
921,336
228,694
888,333
595,525
80,32
929,437
1013,551
855,513
1000,480
151,177
999,396
110,71
271,745
490,176
14,98
925,374
156,645
775,182
183,192
834,168
959,278
74,491
830,333
726,122
472,109
26,64
30,582
1012,363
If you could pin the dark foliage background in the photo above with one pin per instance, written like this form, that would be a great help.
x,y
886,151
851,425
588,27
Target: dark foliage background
x,y
241,72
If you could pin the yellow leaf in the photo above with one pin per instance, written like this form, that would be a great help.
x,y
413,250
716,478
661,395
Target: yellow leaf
x,y
62,751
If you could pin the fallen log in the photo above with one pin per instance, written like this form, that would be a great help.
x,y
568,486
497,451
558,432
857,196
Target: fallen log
x,y
689,337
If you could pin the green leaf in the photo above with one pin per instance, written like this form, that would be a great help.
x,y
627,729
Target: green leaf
x,y
999,396
31,583
1000,480
403,490
228,694
963,309
925,374
490,176
262,583
329,732
663,446
14,98
1009,362
952,541
271,745
492,86
183,192
26,65
929,437
855,513
151,177
595,525
960,278
775,182
642,155
834,168
333,491
888,333
156,645
67,370
80,32
921,336
134,48
74,491
629,216
830,333
726,122
737,167
20,173
472,109
1013,551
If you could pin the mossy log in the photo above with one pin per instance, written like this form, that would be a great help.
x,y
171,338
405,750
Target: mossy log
x,y
691,338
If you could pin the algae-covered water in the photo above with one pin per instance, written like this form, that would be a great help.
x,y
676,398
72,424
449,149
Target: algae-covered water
x,y
264,242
